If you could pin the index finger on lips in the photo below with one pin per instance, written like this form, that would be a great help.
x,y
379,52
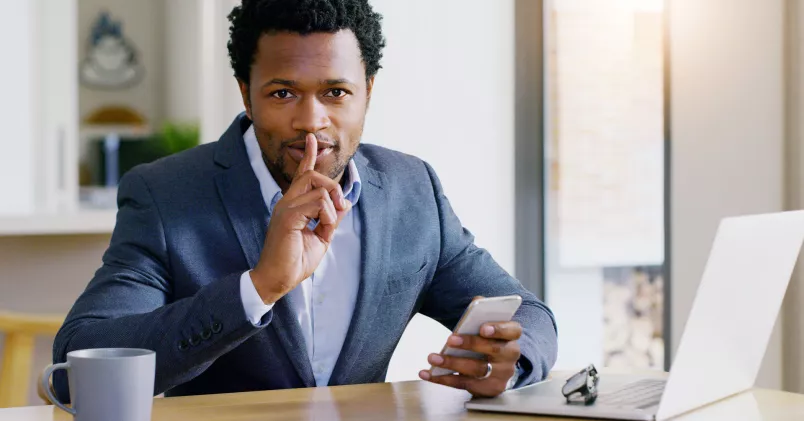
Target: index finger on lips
x,y
310,153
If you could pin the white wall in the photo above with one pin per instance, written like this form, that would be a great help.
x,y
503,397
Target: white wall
x,y
182,60
446,94
727,134
220,99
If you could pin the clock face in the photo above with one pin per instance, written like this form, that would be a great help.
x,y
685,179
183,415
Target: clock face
x,y
574,383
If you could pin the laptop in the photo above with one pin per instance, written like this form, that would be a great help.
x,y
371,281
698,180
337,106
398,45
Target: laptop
x,y
724,341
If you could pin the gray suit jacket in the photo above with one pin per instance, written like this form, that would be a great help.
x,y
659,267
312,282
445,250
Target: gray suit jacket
x,y
189,225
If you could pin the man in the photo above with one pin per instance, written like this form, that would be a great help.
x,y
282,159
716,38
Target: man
x,y
287,254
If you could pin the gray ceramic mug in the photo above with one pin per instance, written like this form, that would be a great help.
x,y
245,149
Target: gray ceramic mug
x,y
107,384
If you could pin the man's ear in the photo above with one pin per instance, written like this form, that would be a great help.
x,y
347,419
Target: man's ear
x,y
369,88
244,93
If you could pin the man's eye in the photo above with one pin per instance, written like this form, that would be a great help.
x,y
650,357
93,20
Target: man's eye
x,y
336,93
282,94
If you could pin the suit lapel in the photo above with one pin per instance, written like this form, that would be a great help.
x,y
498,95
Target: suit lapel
x,y
375,252
240,193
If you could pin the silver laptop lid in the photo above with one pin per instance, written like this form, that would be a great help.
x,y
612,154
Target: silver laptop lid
x,y
734,311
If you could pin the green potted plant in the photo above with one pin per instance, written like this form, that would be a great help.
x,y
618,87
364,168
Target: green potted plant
x,y
177,137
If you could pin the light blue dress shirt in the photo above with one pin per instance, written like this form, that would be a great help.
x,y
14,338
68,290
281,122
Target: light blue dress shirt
x,y
324,302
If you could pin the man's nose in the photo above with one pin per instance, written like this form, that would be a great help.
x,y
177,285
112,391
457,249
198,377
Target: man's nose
x,y
311,116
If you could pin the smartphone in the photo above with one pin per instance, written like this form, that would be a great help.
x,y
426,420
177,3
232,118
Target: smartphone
x,y
479,312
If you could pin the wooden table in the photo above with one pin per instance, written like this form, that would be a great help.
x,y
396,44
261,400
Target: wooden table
x,y
394,401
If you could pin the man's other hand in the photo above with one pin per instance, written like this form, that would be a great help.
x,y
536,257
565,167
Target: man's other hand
x,y
498,342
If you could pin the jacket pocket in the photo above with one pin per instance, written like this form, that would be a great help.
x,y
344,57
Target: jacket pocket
x,y
406,282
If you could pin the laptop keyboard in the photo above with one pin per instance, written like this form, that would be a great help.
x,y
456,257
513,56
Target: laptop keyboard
x,y
641,394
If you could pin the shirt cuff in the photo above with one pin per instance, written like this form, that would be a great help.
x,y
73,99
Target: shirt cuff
x,y
252,302
515,378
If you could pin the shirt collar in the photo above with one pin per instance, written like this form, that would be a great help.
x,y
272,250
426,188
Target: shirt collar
x,y
270,190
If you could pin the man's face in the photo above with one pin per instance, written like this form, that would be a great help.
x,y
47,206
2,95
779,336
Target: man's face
x,y
307,84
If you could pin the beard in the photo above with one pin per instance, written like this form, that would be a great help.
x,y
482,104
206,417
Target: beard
x,y
277,164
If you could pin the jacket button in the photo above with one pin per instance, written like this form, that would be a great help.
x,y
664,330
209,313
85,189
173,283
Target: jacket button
x,y
216,327
206,333
183,345
195,340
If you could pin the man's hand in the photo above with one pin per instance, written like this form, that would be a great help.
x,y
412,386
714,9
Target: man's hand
x,y
498,342
292,251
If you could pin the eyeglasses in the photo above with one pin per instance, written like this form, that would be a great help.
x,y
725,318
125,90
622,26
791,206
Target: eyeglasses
x,y
583,383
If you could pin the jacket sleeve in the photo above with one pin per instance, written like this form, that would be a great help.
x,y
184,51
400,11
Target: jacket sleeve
x,y
129,302
465,271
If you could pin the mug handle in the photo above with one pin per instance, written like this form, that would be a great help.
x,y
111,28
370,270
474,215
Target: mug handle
x,y
45,381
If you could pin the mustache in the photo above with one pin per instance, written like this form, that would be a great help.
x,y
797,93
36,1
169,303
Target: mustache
x,y
321,137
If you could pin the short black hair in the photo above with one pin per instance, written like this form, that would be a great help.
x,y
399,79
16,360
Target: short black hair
x,y
253,18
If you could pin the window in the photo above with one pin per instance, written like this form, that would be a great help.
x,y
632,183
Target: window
x,y
604,180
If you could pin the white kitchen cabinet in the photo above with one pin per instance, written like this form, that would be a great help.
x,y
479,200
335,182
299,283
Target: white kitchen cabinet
x,y
38,106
